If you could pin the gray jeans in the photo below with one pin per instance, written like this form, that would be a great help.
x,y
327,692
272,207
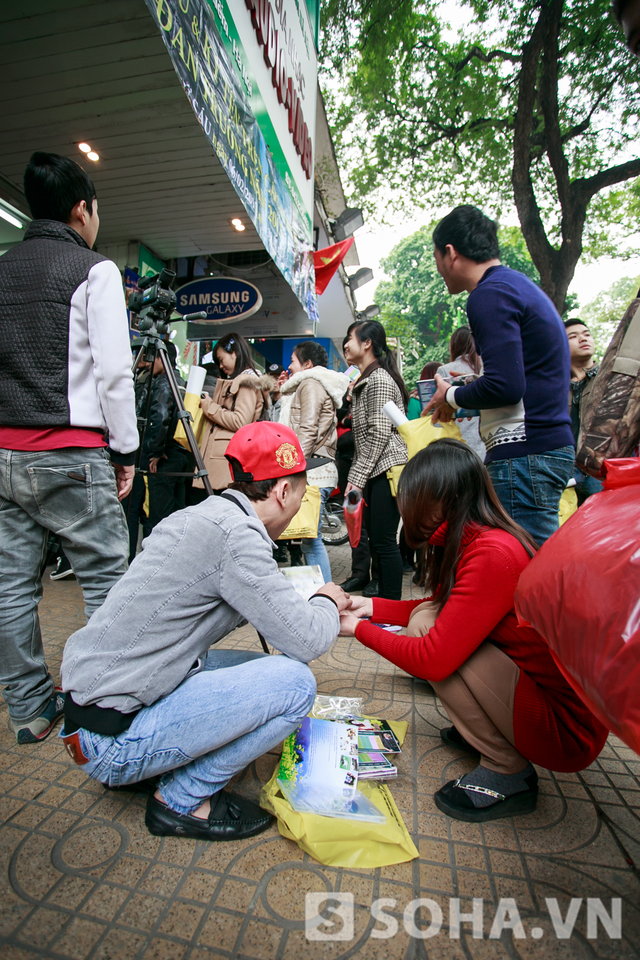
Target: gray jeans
x,y
70,492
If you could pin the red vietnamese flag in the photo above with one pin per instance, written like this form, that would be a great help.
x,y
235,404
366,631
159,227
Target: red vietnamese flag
x,y
327,261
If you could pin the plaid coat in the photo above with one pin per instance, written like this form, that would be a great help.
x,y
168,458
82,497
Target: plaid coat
x,y
378,445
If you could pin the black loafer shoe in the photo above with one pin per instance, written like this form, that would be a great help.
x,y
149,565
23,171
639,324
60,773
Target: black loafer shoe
x,y
353,583
453,738
231,818
372,589
456,803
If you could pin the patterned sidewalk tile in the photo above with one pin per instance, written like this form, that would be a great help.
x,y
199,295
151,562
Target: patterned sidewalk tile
x,y
82,879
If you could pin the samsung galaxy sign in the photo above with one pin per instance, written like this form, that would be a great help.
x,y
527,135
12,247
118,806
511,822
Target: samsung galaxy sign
x,y
223,299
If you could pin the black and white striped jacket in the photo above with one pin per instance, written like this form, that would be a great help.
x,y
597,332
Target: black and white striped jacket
x,y
378,445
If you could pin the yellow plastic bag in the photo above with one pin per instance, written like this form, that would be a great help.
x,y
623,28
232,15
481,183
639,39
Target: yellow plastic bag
x,y
568,504
192,404
418,434
346,843
305,523
393,476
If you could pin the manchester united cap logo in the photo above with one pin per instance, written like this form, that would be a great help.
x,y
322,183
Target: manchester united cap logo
x,y
287,456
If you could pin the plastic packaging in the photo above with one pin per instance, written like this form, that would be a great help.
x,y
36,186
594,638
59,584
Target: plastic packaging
x,y
195,381
581,592
621,473
192,404
346,843
568,504
306,521
326,707
353,507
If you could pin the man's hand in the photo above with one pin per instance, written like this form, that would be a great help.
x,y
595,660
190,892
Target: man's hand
x,y
124,479
348,624
361,606
337,594
154,461
441,410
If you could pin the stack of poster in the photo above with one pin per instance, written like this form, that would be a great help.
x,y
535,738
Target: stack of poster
x,y
319,771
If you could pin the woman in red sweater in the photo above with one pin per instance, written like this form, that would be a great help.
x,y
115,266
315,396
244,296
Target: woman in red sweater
x,y
509,702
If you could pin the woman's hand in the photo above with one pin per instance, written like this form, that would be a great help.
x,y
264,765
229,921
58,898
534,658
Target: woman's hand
x,y
350,487
348,624
361,606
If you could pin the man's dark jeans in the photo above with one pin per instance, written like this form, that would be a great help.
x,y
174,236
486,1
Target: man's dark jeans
x,y
529,488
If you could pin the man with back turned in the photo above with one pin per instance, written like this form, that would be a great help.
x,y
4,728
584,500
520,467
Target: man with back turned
x,y
65,384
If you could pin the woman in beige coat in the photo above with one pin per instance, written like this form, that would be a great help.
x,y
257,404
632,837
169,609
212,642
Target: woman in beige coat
x,y
239,397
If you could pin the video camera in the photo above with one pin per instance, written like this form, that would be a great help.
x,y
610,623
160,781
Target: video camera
x,y
154,301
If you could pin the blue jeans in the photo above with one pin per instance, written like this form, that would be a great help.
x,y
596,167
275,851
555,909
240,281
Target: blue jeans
x,y
215,723
315,550
529,488
586,485
38,496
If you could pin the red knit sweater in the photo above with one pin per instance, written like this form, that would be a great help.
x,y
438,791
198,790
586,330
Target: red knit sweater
x,y
552,726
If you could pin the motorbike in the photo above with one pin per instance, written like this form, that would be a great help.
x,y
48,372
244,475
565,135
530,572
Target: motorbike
x,y
333,529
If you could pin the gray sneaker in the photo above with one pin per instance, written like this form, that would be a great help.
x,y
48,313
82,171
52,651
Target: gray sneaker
x,y
41,727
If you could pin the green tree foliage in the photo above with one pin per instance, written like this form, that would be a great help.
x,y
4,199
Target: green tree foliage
x,y
535,103
415,304
603,314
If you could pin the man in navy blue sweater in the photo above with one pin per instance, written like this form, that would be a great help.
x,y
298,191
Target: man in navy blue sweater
x,y
522,395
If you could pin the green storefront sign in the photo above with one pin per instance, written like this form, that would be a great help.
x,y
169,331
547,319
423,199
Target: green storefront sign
x,y
213,68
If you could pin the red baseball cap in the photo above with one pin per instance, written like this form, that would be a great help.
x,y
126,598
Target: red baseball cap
x,y
267,451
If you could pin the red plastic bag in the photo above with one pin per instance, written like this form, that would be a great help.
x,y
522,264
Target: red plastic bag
x,y
353,517
581,592
621,473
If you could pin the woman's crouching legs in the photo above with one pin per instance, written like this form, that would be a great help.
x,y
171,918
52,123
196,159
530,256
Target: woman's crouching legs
x,y
479,698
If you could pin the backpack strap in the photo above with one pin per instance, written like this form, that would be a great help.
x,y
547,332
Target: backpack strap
x,y
628,359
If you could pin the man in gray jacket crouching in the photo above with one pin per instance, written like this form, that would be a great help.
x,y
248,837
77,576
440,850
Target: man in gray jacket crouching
x,y
146,696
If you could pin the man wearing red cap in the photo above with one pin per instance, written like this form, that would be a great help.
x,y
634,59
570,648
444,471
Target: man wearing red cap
x,y
148,700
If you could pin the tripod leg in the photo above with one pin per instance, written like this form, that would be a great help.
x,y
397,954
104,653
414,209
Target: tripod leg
x,y
195,449
136,363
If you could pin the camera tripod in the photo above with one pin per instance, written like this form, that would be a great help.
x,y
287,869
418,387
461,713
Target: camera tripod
x,y
154,302
153,346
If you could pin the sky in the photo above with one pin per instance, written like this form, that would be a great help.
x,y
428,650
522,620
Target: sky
x,y
375,242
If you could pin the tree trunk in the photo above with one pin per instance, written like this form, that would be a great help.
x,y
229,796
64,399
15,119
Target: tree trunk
x,y
538,100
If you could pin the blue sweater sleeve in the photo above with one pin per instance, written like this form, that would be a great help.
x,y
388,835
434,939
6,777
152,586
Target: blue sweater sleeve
x,y
494,313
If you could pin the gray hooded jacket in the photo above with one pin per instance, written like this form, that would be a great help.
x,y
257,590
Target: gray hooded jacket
x,y
203,572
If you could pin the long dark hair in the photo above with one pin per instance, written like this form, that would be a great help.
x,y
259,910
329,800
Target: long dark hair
x,y
234,343
374,331
463,345
448,481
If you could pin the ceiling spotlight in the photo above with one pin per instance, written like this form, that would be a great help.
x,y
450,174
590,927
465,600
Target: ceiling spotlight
x,y
371,312
92,155
238,224
84,147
